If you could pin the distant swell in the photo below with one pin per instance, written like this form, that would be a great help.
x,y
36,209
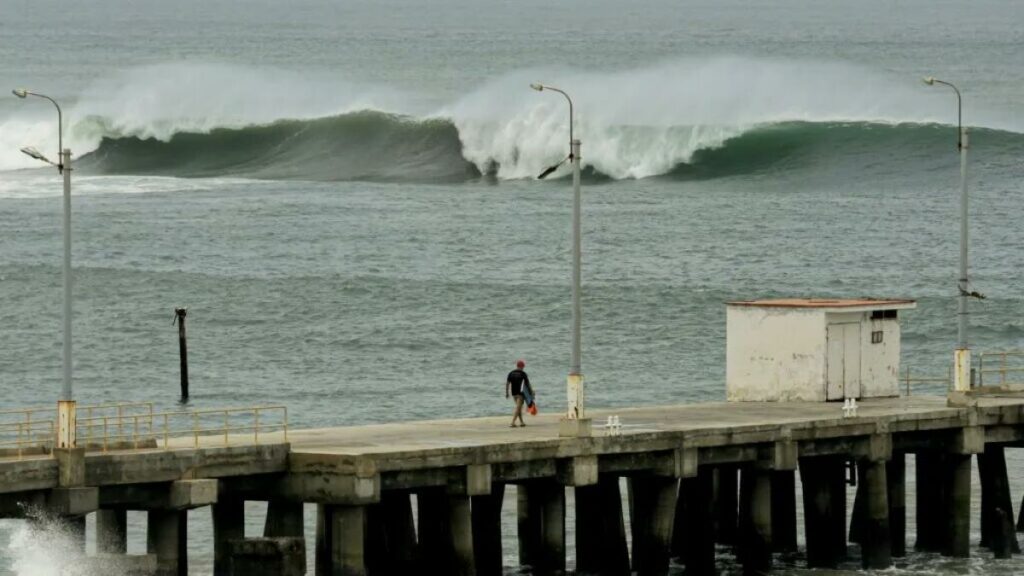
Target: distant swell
x,y
376,146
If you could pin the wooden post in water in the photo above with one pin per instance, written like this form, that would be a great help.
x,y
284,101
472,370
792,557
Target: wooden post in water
x,y
179,317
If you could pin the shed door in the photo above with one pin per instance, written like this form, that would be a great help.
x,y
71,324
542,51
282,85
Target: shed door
x,y
843,362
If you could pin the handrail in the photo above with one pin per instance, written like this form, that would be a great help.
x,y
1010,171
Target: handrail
x,y
907,380
1002,370
164,426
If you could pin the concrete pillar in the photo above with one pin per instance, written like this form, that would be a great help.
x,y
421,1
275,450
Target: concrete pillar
x,y
268,557
228,524
930,501
859,514
399,529
541,526
528,527
824,510
726,503
895,475
167,537
461,521
653,514
783,484
1004,537
600,529
76,530
111,531
346,540
958,511
995,497
876,549
693,543
486,510
284,520
755,546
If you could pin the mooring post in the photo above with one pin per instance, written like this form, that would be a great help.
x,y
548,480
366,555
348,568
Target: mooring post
x,y
895,474
229,524
726,503
111,531
179,316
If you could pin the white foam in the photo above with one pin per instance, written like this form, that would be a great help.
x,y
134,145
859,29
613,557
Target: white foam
x,y
40,548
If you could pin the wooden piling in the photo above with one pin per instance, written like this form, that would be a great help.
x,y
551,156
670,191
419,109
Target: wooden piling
x,y
179,315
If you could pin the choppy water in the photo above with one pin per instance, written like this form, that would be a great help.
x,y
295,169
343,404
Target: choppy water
x,y
341,195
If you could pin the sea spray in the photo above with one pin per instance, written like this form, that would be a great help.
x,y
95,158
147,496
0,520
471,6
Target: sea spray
x,y
43,545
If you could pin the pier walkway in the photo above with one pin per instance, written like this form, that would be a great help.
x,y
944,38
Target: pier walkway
x,y
698,474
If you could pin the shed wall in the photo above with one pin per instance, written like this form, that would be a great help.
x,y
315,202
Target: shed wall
x,y
774,354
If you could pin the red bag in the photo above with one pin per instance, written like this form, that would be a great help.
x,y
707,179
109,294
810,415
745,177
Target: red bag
x,y
532,409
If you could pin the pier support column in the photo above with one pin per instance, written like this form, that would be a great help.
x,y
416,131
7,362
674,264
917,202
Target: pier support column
x,y
228,524
824,494
541,526
783,510
600,529
486,510
340,540
726,503
692,542
112,531
446,532
958,512
393,534
755,546
76,529
876,550
167,537
284,520
930,499
996,503
653,513
895,475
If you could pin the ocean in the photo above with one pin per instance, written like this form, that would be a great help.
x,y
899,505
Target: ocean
x,y
343,195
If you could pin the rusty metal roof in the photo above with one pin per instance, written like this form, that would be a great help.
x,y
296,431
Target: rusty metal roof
x,y
828,303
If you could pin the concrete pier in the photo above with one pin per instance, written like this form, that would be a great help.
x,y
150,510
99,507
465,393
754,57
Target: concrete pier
x,y
680,463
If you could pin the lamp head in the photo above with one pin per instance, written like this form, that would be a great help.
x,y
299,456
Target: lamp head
x,y
929,80
20,92
35,154
537,87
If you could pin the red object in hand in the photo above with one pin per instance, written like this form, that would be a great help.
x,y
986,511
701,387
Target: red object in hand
x,y
532,409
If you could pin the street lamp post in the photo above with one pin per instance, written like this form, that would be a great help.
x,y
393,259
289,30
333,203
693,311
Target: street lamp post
x,y
65,404
575,422
962,354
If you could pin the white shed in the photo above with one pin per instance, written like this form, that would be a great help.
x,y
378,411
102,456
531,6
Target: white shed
x,y
813,350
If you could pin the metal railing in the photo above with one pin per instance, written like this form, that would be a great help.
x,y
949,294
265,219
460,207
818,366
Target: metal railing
x,y
1001,369
152,430
24,430
907,380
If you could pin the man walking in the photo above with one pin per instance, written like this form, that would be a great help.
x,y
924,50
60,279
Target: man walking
x,y
514,384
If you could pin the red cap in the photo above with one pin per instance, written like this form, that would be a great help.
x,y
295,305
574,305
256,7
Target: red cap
x,y
520,364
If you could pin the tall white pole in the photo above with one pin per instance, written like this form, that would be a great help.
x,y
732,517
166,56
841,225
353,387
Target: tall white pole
x,y
66,416
962,356
575,382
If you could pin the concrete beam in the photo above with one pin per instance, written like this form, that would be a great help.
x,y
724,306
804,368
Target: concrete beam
x,y
70,466
578,471
179,495
478,479
347,490
970,440
27,475
170,465
72,501
784,455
